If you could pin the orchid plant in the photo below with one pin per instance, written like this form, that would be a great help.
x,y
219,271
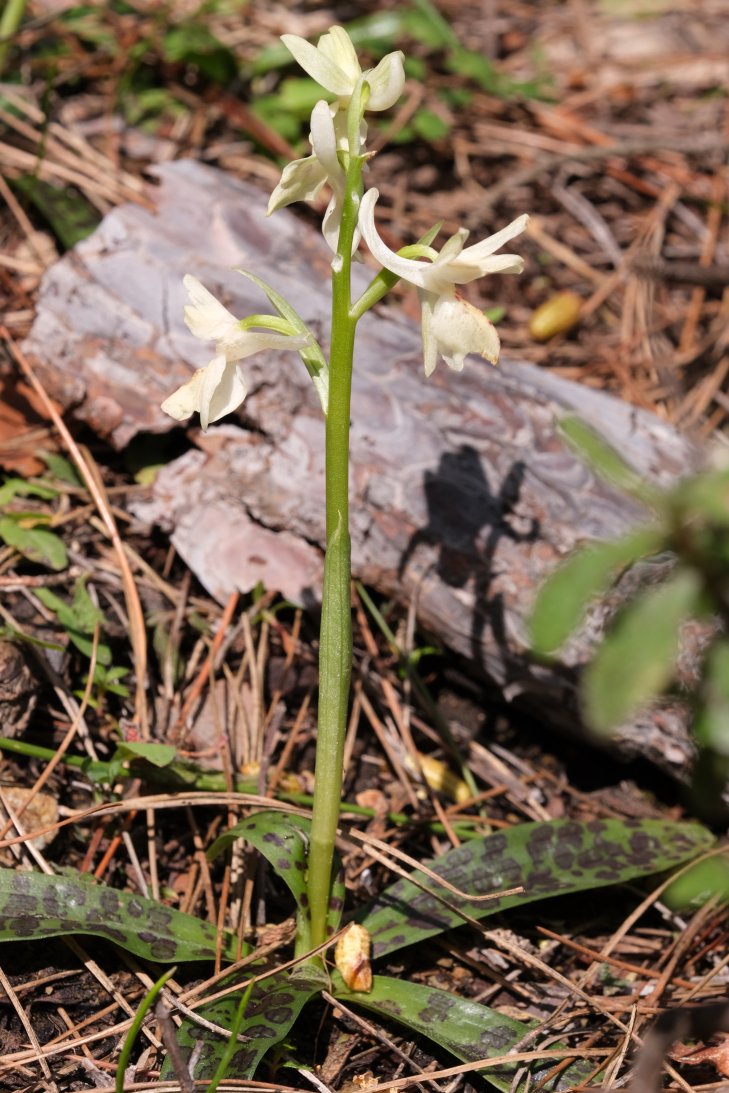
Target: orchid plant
x,y
451,327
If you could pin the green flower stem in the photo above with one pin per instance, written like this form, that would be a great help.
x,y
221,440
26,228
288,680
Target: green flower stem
x,y
335,645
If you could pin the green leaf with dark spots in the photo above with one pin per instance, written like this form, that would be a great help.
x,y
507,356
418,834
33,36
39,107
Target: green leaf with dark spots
x,y
636,660
548,859
34,906
283,840
273,1007
467,1029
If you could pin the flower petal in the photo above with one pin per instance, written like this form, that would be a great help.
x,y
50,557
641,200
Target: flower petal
x,y
319,66
387,82
460,328
324,140
205,315
475,254
430,345
301,180
183,402
337,46
222,390
453,246
460,272
417,273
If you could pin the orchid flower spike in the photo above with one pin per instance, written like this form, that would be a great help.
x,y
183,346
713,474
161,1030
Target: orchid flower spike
x,y
302,179
219,387
451,326
333,63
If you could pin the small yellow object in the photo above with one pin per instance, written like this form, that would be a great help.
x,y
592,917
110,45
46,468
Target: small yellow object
x,y
352,958
556,316
441,779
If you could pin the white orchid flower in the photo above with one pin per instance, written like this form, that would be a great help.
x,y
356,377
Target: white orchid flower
x,y
219,387
333,63
451,326
302,179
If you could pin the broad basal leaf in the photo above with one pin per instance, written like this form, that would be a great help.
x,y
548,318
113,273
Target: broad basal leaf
x,y
283,840
272,1009
34,906
467,1029
548,859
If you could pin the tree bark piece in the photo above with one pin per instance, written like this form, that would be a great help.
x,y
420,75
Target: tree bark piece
x,y
464,494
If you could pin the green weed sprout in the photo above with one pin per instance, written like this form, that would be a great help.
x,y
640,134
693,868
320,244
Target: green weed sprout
x,y
636,662
451,329
10,20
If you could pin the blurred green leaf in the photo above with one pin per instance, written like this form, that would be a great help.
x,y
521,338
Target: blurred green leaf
x,y
564,598
144,107
429,126
603,458
635,662
36,544
705,496
19,487
193,44
159,755
299,95
712,723
78,619
708,879
65,210
61,468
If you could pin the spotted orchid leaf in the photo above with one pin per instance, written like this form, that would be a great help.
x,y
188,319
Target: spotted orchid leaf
x,y
283,840
34,906
466,1029
547,859
272,1009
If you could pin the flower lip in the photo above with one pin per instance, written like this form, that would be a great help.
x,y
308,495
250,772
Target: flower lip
x,y
213,391
219,387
